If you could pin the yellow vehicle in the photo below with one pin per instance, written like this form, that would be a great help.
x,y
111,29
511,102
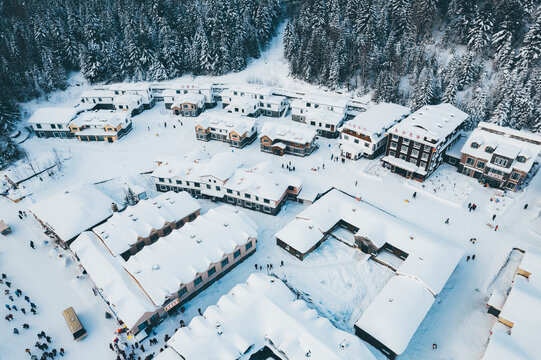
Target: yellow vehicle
x,y
77,330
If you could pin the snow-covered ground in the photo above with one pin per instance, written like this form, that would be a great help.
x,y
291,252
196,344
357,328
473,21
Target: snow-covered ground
x,y
336,279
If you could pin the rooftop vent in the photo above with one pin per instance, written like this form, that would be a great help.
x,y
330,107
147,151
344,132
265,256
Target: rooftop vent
x,y
226,224
391,299
134,218
156,267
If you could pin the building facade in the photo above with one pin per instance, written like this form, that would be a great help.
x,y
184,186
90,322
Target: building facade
x,y
254,101
416,146
280,139
101,125
235,130
53,122
189,104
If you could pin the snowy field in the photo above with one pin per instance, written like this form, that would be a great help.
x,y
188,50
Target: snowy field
x,y
337,280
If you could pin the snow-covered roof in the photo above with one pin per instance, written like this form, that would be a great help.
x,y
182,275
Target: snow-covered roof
x,y
161,268
101,118
74,210
221,166
226,121
264,180
531,262
128,99
258,312
123,229
324,116
249,89
329,99
295,133
127,86
431,122
397,311
182,167
53,115
523,309
171,87
376,120
116,285
312,187
505,142
243,103
98,93
191,98
300,234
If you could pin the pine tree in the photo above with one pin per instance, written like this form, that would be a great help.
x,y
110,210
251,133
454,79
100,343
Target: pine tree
x,y
531,47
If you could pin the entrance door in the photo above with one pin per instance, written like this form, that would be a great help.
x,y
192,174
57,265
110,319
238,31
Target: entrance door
x,y
110,139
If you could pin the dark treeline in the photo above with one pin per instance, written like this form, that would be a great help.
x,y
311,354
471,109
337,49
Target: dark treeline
x,y
482,55
41,41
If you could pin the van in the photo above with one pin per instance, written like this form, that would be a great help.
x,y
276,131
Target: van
x,y
77,330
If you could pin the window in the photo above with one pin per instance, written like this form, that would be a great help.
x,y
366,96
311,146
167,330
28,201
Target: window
x,y
212,271
179,182
59,126
475,145
425,156
225,262
416,144
247,196
393,145
404,149
182,291
515,176
470,161
180,223
415,153
154,237
266,201
356,141
248,246
229,191
413,161
142,326
167,230
161,179
197,281
208,186
405,141
196,184
218,188
395,137
500,161
139,245
423,164
38,126
392,153
489,149
402,157
191,217
236,254
53,126
521,159
480,165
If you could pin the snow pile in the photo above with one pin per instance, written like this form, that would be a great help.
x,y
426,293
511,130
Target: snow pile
x,y
124,229
128,301
263,312
161,268
74,210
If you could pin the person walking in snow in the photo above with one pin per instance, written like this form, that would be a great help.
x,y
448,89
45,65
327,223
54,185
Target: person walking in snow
x,y
468,258
199,311
525,206
434,346
473,257
32,244
415,195
447,221
16,331
493,217
496,228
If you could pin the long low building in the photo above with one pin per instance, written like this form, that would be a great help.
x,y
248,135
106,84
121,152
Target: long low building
x,y
163,276
76,209
101,125
422,263
238,131
262,319
53,122
127,232
262,187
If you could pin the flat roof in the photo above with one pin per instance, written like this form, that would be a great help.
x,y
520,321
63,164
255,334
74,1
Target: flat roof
x,y
300,234
102,118
377,119
226,121
76,209
53,115
259,311
296,133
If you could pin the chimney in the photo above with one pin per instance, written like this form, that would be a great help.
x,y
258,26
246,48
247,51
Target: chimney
x,y
114,207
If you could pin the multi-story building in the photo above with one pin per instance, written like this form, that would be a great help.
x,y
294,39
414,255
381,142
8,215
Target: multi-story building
x,y
189,104
99,98
168,92
301,107
238,131
163,276
261,187
130,103
131,97
416,145
142,89
253,100
366,134
101,125
326,122
53,122
500,157
127,232
280,139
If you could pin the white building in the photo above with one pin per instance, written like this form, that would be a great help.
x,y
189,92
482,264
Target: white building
x,y
253,100
236,130
76,209
53,122
262,187
190,104
170,91
366,134
332,102
326,122
142,89
100,98
293,139
263,317
127,232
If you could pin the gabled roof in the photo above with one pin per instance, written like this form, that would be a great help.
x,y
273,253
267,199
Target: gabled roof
x,y
53,115
376,120
101,118
295,133
258,312
226,121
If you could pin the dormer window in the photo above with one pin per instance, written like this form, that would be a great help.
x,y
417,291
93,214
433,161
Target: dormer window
x,y
521,159
489,149
475,145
